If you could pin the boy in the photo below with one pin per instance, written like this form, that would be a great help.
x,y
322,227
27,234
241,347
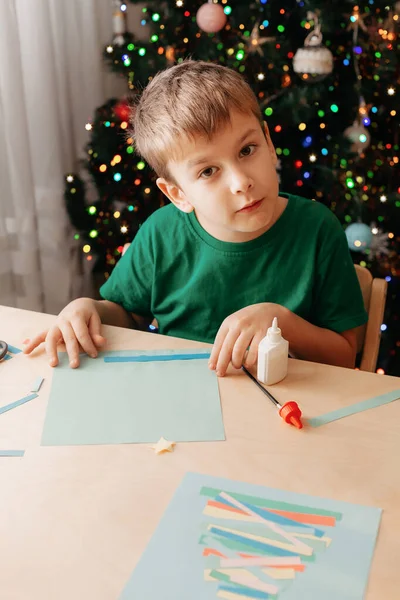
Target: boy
x,y
229,253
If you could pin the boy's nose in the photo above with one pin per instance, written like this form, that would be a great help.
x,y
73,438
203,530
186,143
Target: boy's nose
x,y
241,182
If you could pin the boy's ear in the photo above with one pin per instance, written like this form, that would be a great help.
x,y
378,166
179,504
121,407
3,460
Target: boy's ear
x,y
174,194
270,144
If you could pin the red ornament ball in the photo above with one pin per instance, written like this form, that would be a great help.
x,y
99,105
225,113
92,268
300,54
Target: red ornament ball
x,y
211,17
122,110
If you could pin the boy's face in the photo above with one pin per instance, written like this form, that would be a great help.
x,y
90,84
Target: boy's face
x,y
230,182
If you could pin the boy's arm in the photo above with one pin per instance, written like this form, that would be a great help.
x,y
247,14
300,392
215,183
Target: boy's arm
x,y
112,313
238,338
317,344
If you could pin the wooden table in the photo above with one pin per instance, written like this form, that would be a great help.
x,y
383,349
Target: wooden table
x,y
75,520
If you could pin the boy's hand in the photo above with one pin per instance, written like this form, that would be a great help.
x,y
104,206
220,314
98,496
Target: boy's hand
x,y
240,331
77,325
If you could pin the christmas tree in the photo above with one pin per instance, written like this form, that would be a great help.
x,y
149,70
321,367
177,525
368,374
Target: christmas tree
x,y
327,84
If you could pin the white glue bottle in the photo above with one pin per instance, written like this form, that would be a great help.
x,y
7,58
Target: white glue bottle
x,y
273,356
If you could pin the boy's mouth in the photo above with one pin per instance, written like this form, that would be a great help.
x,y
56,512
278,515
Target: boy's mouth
x,y
251,206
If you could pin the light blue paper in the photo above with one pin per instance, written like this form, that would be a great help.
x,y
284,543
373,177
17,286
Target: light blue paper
x,y
8,407
347,411
118,403
4,453
172,565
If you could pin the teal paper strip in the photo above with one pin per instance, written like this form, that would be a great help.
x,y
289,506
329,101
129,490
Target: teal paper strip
x,y
154,357
13,349
7,407
12,453
7,357
347,411
37,384
244,591
272,504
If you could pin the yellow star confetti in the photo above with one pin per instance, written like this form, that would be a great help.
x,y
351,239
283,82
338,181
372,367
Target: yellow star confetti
x,y
163,445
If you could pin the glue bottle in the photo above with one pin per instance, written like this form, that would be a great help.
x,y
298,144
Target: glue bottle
x,y
273,356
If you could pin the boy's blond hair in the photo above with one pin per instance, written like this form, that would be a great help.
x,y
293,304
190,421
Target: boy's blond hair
x,y
188,99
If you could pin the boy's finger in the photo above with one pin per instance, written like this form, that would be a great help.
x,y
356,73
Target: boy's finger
x,y
225,354
94,326
218,343
83,336
240,348
252,354
53,337
30,345
99,340
71,344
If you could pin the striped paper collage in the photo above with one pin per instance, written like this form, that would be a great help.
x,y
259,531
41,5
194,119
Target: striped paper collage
x,y
256,548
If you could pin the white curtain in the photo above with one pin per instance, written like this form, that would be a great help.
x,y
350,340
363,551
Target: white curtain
x,y
51,80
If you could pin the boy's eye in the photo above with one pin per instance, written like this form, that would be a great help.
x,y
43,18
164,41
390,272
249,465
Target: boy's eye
x,y
207,173
248,150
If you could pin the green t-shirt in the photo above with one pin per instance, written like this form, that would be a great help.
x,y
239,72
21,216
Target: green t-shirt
x,y
190,282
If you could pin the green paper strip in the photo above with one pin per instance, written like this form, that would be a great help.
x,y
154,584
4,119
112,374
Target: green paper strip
x,y
272,504
220,576
347,411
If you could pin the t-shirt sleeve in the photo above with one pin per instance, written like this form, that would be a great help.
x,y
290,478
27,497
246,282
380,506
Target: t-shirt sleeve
x,y
338,303
130,283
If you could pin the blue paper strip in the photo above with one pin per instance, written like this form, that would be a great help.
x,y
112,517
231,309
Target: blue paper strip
x,y
7,407
155,357
260,546
347,411
245,591
37,384
271,516
7,357
13,349
12,453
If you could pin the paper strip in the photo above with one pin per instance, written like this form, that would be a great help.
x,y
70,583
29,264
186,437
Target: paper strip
x,y
37,384
155,357
244,579
7,407
12,452
307,519
212,552
271,515
226,595
302,548
262,540
7,357
249,543
261,561
245,592
230,596
292,567
347,411
272,504
278,573
13,349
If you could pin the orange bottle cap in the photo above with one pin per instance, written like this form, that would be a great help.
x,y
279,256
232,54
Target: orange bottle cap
x,y
291,413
